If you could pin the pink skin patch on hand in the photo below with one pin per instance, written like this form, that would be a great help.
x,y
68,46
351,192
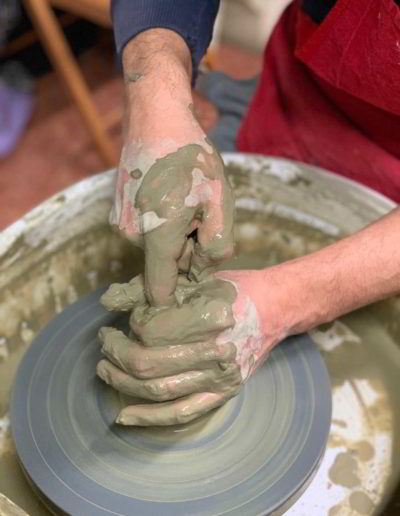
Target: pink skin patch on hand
x,y
122,178
246,334
128,217
208,193
200,190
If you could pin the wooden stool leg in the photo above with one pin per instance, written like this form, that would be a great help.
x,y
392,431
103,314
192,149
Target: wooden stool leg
x,y
65,63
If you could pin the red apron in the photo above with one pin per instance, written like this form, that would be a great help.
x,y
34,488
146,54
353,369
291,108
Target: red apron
x,y
329,94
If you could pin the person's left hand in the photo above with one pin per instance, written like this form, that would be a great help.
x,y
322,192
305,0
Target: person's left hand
x,y
192,357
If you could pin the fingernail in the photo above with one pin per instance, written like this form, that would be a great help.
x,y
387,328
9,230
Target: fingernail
x,y
102,373
105,348
104,331
120,420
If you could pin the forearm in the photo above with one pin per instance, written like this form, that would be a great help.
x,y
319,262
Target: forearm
x,y
321,286
191,19
157,76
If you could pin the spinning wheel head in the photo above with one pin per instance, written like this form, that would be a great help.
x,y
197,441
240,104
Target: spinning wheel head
x,y
255,455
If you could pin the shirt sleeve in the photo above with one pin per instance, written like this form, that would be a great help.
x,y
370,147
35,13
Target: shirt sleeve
x,y
192,19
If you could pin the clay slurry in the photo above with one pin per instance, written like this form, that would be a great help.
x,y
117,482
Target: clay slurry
x,y
172,340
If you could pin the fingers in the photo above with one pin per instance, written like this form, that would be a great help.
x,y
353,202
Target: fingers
x,y
171,387
146,363
200,317
155,390
215,236
124,296
171,413
204,310
163,248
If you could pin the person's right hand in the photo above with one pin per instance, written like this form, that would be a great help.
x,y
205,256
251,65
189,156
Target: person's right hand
x,y
186,380
173,359
171,182
192,357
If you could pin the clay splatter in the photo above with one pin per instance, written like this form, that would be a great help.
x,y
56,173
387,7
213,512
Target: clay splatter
x,y
344,471
134,76
361,502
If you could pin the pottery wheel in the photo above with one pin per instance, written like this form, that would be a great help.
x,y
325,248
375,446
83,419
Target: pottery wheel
x,y
253,456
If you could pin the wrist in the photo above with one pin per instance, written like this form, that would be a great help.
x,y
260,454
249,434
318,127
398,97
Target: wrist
x,y
157,69
296,296
156,132
157,72
146,52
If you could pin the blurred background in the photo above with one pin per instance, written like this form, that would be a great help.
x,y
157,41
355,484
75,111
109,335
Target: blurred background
x,y
61,94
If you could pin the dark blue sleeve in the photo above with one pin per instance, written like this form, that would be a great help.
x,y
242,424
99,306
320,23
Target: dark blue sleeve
x,y
192,19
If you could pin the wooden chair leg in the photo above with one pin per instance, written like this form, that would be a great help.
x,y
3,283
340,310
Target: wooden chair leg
x,y
65,63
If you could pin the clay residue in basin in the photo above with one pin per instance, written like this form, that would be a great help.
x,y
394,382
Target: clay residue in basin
x,y
364,450
361,502
344,471
18,248
8,508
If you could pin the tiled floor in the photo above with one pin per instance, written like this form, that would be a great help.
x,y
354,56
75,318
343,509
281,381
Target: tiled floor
x,y
56,150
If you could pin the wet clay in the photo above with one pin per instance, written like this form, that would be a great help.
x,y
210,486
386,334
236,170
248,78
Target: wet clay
x,y
361,502
188,185
218,309
201,308
344,471
364,450
179,341
8,508
134,76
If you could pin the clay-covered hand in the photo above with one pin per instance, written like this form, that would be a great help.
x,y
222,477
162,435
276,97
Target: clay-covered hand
x,y
199,377
164,194
191,357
